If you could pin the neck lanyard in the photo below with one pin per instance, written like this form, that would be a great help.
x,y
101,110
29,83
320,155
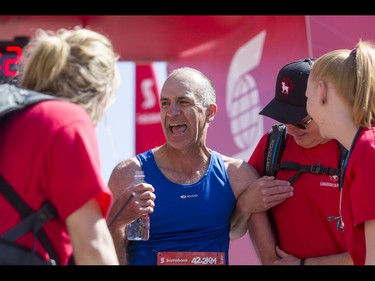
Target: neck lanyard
x,y
340,222
343,168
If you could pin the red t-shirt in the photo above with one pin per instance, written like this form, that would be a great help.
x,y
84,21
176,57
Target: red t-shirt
x,y
358,203
301,221
50,151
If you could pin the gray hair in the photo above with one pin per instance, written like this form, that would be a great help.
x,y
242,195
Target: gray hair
x,y
204,90
75,65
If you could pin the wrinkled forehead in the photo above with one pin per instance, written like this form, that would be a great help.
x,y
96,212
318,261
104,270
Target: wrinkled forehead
x,y
179,86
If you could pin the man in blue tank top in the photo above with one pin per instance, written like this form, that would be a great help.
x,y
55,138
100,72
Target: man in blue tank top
x,y
194,187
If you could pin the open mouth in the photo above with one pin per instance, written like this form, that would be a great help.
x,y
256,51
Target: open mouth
x,y
177,128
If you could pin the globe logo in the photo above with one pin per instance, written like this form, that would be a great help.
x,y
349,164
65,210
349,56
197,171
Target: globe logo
x,y
242,97
243,112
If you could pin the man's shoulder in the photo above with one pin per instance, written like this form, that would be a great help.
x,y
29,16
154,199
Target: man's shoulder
x,y
237,166
130,163
126,168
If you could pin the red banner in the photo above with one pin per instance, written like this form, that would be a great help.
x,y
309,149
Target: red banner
x,y
243,67
148,130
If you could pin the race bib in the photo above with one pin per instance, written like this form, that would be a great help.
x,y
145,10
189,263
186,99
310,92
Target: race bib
x,y
191,258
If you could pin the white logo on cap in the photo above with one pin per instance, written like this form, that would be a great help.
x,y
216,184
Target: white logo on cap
x,y
284,88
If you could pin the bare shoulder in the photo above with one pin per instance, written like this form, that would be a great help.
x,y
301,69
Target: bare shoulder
x,y
236,164
129,165
240,173
123,174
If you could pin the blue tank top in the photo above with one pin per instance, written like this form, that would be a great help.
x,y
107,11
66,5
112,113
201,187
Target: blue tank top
x,y
187,217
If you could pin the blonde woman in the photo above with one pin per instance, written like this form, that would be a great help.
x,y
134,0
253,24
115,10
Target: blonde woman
x,y
50,151
340,98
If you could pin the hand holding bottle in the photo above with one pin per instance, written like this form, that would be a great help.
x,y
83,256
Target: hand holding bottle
x,y
139,229
136,200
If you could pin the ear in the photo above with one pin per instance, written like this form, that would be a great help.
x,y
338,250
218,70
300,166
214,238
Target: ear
x,y
211,112
322,92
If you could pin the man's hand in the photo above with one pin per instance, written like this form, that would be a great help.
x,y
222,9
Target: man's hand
x,y
139,200
264,193
261,195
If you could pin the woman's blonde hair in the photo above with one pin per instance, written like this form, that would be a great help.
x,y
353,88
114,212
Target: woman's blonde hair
x,y
352,72
76,65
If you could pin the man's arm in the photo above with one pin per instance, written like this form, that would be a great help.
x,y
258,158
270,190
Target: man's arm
x,y
263,237
131,200
118,233
120,179
258,195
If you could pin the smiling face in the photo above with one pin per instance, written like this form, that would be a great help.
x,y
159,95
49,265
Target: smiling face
x,y
184,119
308,137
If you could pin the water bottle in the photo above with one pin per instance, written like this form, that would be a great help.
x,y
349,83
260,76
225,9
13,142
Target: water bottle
x,y
139,229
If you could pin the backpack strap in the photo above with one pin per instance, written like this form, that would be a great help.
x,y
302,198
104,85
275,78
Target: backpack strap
x,y
13,98
314,169
31,220
274,149
34,221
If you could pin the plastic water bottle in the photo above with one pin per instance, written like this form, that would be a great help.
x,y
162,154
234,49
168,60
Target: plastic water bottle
x,y
139,229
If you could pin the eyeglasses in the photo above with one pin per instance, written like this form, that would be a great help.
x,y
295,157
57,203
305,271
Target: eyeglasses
x,y
303,125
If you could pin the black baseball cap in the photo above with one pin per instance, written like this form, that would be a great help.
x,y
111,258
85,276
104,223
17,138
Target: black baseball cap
x,y
289,104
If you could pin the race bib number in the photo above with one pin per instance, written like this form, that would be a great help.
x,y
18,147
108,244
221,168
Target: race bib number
x,y
191,258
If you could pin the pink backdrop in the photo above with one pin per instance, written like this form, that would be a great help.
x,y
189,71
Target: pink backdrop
x,y
243,66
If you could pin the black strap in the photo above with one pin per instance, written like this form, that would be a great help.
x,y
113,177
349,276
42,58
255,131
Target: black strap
x,y
275,147
121,209
31,220
34,220
346,159
13,98
314,169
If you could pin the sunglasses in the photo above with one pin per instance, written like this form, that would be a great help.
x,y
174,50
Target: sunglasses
x,y
303,125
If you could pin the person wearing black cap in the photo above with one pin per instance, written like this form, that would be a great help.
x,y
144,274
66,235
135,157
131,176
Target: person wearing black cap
x,y
289,104
304,225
